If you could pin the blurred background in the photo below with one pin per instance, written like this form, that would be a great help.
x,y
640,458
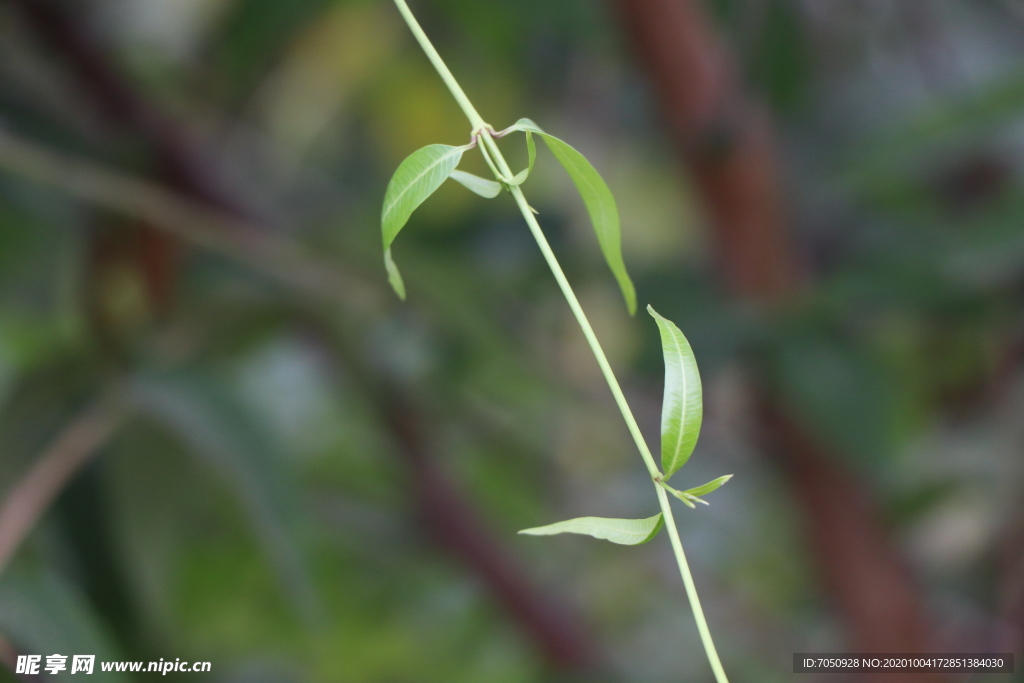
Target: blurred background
x,y
223,438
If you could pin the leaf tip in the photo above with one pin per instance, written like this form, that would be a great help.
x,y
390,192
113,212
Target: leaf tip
x,y
394,277
629,294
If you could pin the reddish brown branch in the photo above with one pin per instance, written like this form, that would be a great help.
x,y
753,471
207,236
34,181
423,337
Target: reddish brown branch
x,y
455,526
724,140
1008,635
9,658
73,447
727,145
453,521
179,159
868,581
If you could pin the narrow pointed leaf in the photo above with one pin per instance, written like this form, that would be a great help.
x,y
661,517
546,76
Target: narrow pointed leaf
x,y
417,178
621,531
682,408
394,277
681,496
531,150
604,214
488,189
708,487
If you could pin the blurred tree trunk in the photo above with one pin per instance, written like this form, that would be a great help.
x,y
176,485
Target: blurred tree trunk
x,y
727,145
177,159
725,141
452,521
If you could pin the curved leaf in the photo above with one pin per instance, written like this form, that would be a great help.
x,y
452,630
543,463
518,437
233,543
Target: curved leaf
x,y
686,498
691,496
531,152
708,487
488,189
394,277
621,531
604,214
682,408
416,178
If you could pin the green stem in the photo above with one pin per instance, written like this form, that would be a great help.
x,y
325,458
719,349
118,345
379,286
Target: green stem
x,y
467,107
634,430
494,157
691,588
490,162
588,331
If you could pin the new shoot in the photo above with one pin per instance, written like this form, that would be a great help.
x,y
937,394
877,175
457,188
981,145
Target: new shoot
x,y
425,170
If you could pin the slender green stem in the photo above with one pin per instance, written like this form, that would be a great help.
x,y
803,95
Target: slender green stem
x,y
634,430
691,588
588,332
490,162
494,158
467,107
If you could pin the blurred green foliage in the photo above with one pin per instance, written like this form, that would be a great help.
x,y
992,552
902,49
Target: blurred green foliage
x,y
254,511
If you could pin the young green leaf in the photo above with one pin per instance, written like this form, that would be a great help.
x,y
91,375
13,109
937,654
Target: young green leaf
x,y
691,496
682,408
600,203
708,487
531,151
417,178
686,498
621,531
394,277
488,189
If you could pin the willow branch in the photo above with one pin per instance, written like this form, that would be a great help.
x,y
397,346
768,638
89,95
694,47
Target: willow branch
x,y
727,143
65,456
219,231
198,223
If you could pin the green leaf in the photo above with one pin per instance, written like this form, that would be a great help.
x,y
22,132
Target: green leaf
x,y
708,487
682,408
531,150
488,189
685,498
689,500
604,214
621,531
691,496
394,277
417,178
